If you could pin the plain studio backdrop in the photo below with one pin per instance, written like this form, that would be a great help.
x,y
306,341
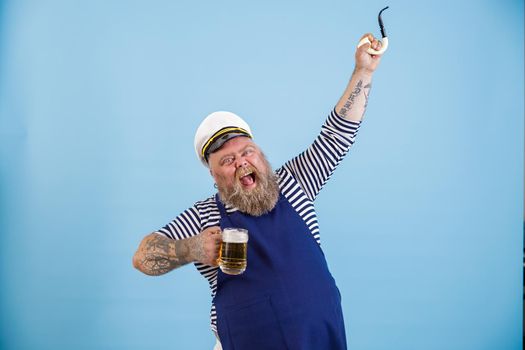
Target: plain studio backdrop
x,y
99,101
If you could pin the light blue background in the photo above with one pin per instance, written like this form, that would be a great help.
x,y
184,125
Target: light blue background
x,y
99,100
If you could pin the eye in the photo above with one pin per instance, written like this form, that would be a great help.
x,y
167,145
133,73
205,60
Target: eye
x,y
248,151
227,161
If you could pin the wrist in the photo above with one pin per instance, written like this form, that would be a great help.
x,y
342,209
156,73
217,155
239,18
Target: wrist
x,y
193,246
363,72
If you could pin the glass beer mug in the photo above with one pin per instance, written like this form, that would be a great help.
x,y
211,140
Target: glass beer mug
x,y
232,255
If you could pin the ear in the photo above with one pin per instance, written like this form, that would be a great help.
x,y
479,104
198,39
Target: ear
x,y
212,173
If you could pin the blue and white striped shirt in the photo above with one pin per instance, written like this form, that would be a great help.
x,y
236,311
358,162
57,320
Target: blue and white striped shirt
x,y
300,180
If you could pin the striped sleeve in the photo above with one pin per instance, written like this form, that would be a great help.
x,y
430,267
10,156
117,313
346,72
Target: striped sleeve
x,y
313,167
189,223
186,225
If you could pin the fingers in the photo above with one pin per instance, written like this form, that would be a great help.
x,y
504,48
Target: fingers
x,y
213,238
213,230
376,45
212,245
216,236
373,42
214,258
369,36
212,253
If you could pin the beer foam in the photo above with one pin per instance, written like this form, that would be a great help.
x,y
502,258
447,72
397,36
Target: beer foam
x,y
234,235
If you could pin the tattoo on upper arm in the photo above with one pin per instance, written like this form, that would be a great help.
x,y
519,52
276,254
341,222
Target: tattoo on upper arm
x,y
159,255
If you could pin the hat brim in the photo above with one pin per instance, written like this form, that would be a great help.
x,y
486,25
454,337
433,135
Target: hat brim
x,y
219,142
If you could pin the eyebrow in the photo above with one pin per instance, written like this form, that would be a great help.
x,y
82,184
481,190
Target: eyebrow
x,y
232,153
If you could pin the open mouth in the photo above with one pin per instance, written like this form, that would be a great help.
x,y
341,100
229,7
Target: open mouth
x,y
247,179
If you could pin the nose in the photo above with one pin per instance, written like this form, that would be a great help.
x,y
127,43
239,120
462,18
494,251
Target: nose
x,y
241,162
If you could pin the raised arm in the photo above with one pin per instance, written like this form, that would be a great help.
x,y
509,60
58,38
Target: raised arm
x,y
352,104
158,254
313,167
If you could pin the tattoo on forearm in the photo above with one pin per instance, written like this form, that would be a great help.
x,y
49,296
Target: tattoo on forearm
x,y
350,100
196,247
366,92
159,255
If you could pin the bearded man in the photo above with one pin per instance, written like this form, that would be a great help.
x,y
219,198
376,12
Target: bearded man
x,y
286,298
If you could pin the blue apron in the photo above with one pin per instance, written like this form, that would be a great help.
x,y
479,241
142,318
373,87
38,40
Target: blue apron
x,y
286,298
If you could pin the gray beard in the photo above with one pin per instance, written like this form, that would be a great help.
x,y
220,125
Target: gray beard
x,y
256,202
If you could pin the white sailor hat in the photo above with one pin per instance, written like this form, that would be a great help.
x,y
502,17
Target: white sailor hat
x,y
215,130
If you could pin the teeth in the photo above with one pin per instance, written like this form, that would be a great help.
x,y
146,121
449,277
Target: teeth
x,y
246,174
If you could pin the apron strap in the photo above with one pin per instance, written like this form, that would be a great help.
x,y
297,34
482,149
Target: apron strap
x,y
221,207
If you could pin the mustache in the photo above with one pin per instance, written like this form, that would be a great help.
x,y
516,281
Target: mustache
x,y
246,170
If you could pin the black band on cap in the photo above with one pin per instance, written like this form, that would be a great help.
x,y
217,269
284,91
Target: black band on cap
x,y
220,137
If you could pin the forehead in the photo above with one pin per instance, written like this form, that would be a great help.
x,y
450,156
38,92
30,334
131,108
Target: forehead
x,y
237,143
233,145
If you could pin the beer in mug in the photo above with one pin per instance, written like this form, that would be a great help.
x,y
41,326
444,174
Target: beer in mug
x,y
232,256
